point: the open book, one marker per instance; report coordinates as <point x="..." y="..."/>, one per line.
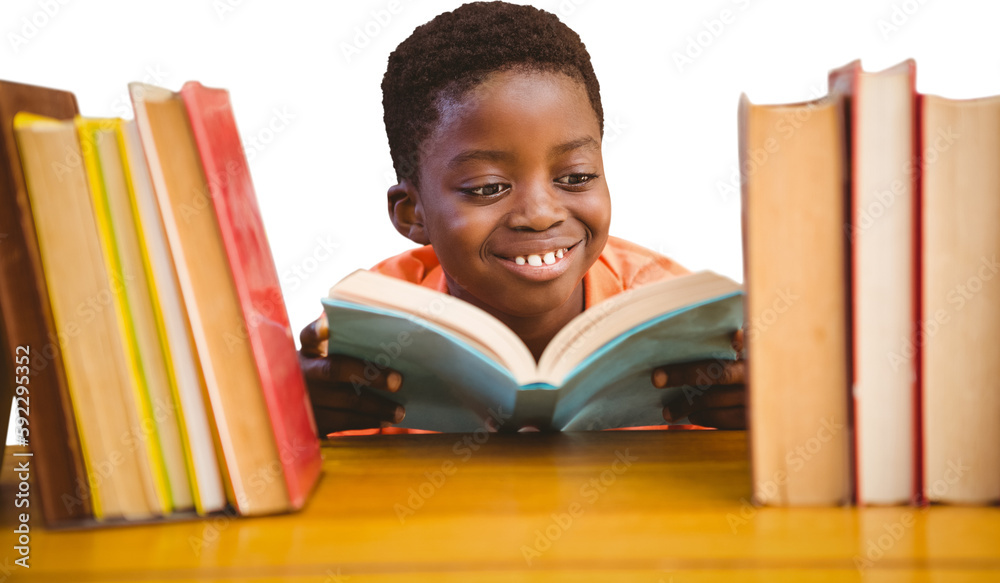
<point x="461" y="366"/>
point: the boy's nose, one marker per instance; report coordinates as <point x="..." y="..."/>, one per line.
<point x="537" y="207"/>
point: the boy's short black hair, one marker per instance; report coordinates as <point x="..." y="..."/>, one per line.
<point x="456" y="51"/>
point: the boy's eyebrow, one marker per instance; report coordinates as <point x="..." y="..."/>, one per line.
<point x="487" y="155"/>
<point x="584" y="142"/>
<point x="501" y="156"/>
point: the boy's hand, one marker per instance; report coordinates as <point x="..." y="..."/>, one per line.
<point x="714" y="390"/>
<point x="331" y="379"/>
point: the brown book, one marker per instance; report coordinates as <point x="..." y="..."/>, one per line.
<point x="242" y="421"/>
<point x="792" y="158"/>
<point x="27" y="321"/>
<point x="9" y="384"/>
<point x="959" y="327"/>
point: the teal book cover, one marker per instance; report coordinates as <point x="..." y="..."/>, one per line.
<point x="453" y="382"/>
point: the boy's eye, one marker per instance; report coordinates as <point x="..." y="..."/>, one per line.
<point x="575" y="179"/>
<point x="487" y="189"/>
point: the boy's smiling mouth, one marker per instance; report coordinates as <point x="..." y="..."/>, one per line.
<point x="542" y="263"/>
<point x="537" y="260"/>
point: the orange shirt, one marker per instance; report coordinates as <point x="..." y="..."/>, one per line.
<point x="621" y="266"/>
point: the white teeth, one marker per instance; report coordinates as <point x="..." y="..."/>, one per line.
<point x="538" y="259"/>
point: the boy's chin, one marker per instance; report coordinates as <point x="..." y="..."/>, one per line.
<point x="532" y="301"/>
<point x="505" y="293"/>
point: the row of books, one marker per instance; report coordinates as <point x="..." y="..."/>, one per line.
<point x="876" y="210"/>
<point x="145" y="337"/>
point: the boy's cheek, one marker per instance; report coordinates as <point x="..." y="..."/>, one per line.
<point x="598" y="222"/>
<point x="594" y="209"/>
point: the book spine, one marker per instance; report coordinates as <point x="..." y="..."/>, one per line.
<point x="851" y="255"/>
<point x="919" y="499"/>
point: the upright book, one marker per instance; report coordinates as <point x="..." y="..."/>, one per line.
<point x="27" y="320"/>
<point x="174" y="330"/>
<point x="882" y="236"/>
<point x="86" y="308"/>
<point x="123" y="250"/>
<point x="258" y="287"/>
<point x="187" y="185"/>
<point x="959" y="321"/>
<point x="462" y="366"/>
<point x="794" y="183"/>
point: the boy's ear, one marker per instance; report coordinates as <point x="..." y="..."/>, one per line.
<point x="405" y="211"/>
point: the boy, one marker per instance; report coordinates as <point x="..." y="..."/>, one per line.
<point x="494" y="119"/>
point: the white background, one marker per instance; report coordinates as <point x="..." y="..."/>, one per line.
<point x="670" y="145"/>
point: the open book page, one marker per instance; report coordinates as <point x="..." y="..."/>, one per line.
<point x="612" y="387"/>
<point x="448" y="385"/>
<point x="473" y="325"/>
<point x="619" y="314"/>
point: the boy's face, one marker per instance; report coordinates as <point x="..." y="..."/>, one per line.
<point x="512" y="192"/>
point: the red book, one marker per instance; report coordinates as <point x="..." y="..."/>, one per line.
<point x="257" y="285"/>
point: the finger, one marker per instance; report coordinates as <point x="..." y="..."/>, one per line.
<point x="337" y="368"/>
<point x="709" y="398"/>
<point x="727" y="418"/>
<point x="362" y="402"/>
<point x="720" y="396"/>
<point x="333" y="420"/>
<point x="738" y="342"/>
<point x="314" y="337"/>
<point x="704" y="373"/>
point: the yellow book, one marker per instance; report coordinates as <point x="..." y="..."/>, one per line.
<point x="99" y="148"/>
<point x="161" y="410"/>
<point x="81" y="293"/>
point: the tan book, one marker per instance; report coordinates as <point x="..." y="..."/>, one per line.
<point x="83" y="295"/>
<point x="959" y="328"/>
<point x="793" y="165"/>
<point x="243" y="426"/>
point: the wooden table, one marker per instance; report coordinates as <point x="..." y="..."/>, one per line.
<point x="611" y="506"/>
